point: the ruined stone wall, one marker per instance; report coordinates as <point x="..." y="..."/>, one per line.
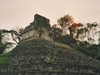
<point x="35" y="33"/>
<point x="33" y="30"/>
<point x="29" y="34"/>
<point x="45" y="34"/>
<point x="41" y="21"/>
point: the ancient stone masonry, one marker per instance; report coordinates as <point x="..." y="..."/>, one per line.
<point x="41" y="21"/>
<point x="38" y="28"/>
<point x="40" y="57"/>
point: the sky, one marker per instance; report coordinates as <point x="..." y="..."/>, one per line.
<point x="20" y="13"/>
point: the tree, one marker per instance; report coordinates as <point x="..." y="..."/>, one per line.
<point x="94" y="30"/>
<point x="68" y="25"/>
<point x="65" y="22"/>
<point x="80" y="33"/>
<point x="79" y="37"/>
<point x="15" y="35"/>
<point x="3" y="45"/>
<point x="4" y="40"/>
<point x="73" y="29"/>
<point x="55" y="32"/>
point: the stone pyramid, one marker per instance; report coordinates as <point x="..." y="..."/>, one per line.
<point x="42" y="57"/>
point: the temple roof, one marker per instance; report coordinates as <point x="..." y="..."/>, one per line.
<point x="39" y="21"/>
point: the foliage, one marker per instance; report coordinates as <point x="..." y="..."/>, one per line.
<point x="4" y="57"/>
<point x="66" y="40"/>
<point x="1" y="44"/>
<point x="78" y="36"/>
<point x="65" y="20"/>
<point x="1" y="47"/>
<point x="4" y="40"/>
<point x="90" y="50"/>
<point x="55" y="32"/>
<point x="15" y="35"/>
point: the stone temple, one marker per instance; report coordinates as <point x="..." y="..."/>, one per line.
<point x="38" y="28"/>
<point x="38" y="56"/>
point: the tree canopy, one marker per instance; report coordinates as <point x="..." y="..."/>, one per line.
<point x="79" y="36"/>
<point x="4" y="39"/>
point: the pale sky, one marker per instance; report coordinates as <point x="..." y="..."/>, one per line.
<point x="21" y="12"/>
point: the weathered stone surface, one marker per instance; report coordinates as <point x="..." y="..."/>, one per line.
<point x="38" y="28"/>
<point x="42" y="57"/>
<point x="41" y="21"/>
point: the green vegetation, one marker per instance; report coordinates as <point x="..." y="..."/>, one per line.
<point x="4" y="38"/>
<point x="78" y="36"/>
<point x="4" y="57"/>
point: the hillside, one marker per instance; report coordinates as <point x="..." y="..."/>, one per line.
<point x="42" y="57"/>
